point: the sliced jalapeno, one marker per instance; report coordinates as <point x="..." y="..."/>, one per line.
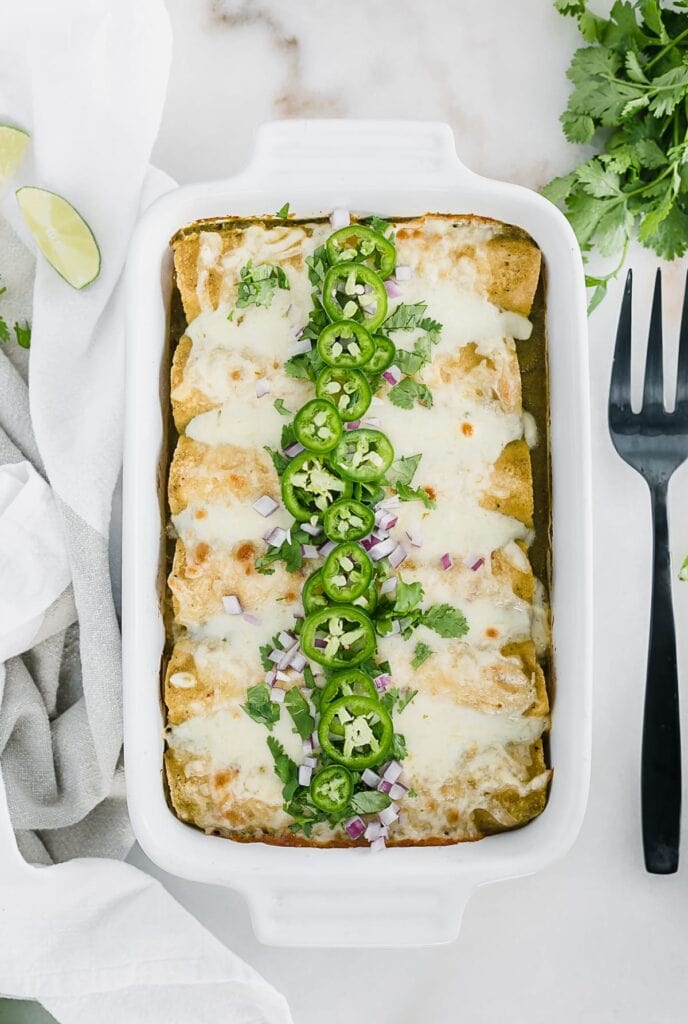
<point x="348" y="519"/>
<point x="347" y="573"/>
<point x="363" y="455"/>
<point x="338" y="637"/>
<point x="317" y="425"/>
<point x="383" y="356"/>
<point x="352" y="291"/>
<point x="309" y="486"/>
<point x="367" y="601"/>
<point x="347" y="389"/>
<point x="347" y="683"/>
<point x="345" y="343"/>
<point x="366" y="735"/>
<point x="313" y="596"/>
<point x="362" y="244"/>
<point x="331" y="789"/>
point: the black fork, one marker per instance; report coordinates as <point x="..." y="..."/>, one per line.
<point x="655" y="443"/>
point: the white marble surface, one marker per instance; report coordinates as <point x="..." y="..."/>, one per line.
<point x="593" y="939"/>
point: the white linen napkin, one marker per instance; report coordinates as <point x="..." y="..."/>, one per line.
<point x="92" y="939"/>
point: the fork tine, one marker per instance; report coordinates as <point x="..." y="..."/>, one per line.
<point x="682" y="376"/>
<point x="653" y="387"/>
<point x="620" y="388"/>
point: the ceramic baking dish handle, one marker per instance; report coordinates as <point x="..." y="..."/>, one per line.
<point x="344" y="154"/>
<point x="353" y="912"/>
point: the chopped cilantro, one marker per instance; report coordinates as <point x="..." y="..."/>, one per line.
<point x="408" y="696"/>
<point x="403" y="470"/>
<point x="4" y="331"/>
<point x="383" y="227"/>
<point x="408" y="391"/>
<point x="259" y="707"/>
<point x="407" y="493"/>
<point x="421" y="654"/>
<point x="283" y="212"/>
<point x="398" y="749"/>
<point x="683" y="571"/>
<point x="445" y="620"/>
<point x="258" y="284"/>
<point x="297" y="706"/>
<point x="279" y="461"/>
<point x="285" y="769"/>
<point x="369" y="801"/>
<point x="281" y="408"/>
<point x="407" y="596"/>
<point x="288" y="552"/>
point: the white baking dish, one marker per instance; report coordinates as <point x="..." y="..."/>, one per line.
<point x="349" y="897"/>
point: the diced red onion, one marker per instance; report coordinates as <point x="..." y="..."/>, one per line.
<point x="298" y="331"/>
<point x="287" y="638"/>
<point x="415" y="538"/>
<point x="388" y="815"/>
<point x="320" y="643"/>
<point x="389" y="585"/>
<point x="373" y="421"/>
<point x="375" y="830"/>
<point x="325" y="549"/>
<point x="231" y="604"/>
<point x="287" y="656"/>
<point x="398" y="791"/>
<point x="370" y="310"/>
<point x="309" y="551"/>
<point x="393" y="374"/>
<point x="355" y="827"/>
<point x="301" y="347"/>
<point x="307" y="746"/>
<point x="369" y="542"/>
<point x="275" y="655"/>
<point x="277" y="695"/>
<point x="282" y="676"/>
<point x="474" y="562"/>
<point x="252" y="619"/>
<point x="298" y="662"/>
<point x="383" y="681"/>
<point x="384" y="786"/>
<point x="393" y="289"/>
<point x="395" y="628"/>
<point x="294" y="449"/>
<point x="276" y="538"/>
<point x="402" y="273"/>
<point x="353" y="425"/>
<point x="378" y="845"/>
<point x="262" y="387"/>
<point x="398" y="556"/>
<point x="312" y="529"/>
<point x="315" y="742"/>
<point x="305" y="775"/>
<point x="384" y="548"/>
<point x="310" y="762"/>
<point x="446" y="561"/>
<point x="393" y="502"/>
<point x="392" y="771"/>
<point x="265" y="506"/>
<point x="340" y="218"/>
<point x="370" y="778"/>
<point x="270" y="678"/>
<point x="387" y="520"/>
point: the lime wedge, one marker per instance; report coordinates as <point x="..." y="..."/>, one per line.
<point x="13" y="142"/>
<point x="62" y="235"/>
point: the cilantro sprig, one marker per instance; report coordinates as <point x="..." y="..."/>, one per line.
<point x="631" y="79"/>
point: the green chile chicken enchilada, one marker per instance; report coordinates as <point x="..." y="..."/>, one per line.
<point x="356" y="634"/>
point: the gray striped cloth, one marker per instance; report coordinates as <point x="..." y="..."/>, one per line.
<point x="61" y="715"/>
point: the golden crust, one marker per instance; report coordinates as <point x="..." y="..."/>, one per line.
<point x="511" y="484"/>
<point x="202" y="473"/>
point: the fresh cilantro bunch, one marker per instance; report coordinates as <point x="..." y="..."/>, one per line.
<point x="22" y="332"/>
<point x="630" y="93"/>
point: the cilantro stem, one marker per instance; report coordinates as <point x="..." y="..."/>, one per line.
<point x="674" y="42"/>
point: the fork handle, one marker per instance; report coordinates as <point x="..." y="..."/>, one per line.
<point x="661" y="752"/>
